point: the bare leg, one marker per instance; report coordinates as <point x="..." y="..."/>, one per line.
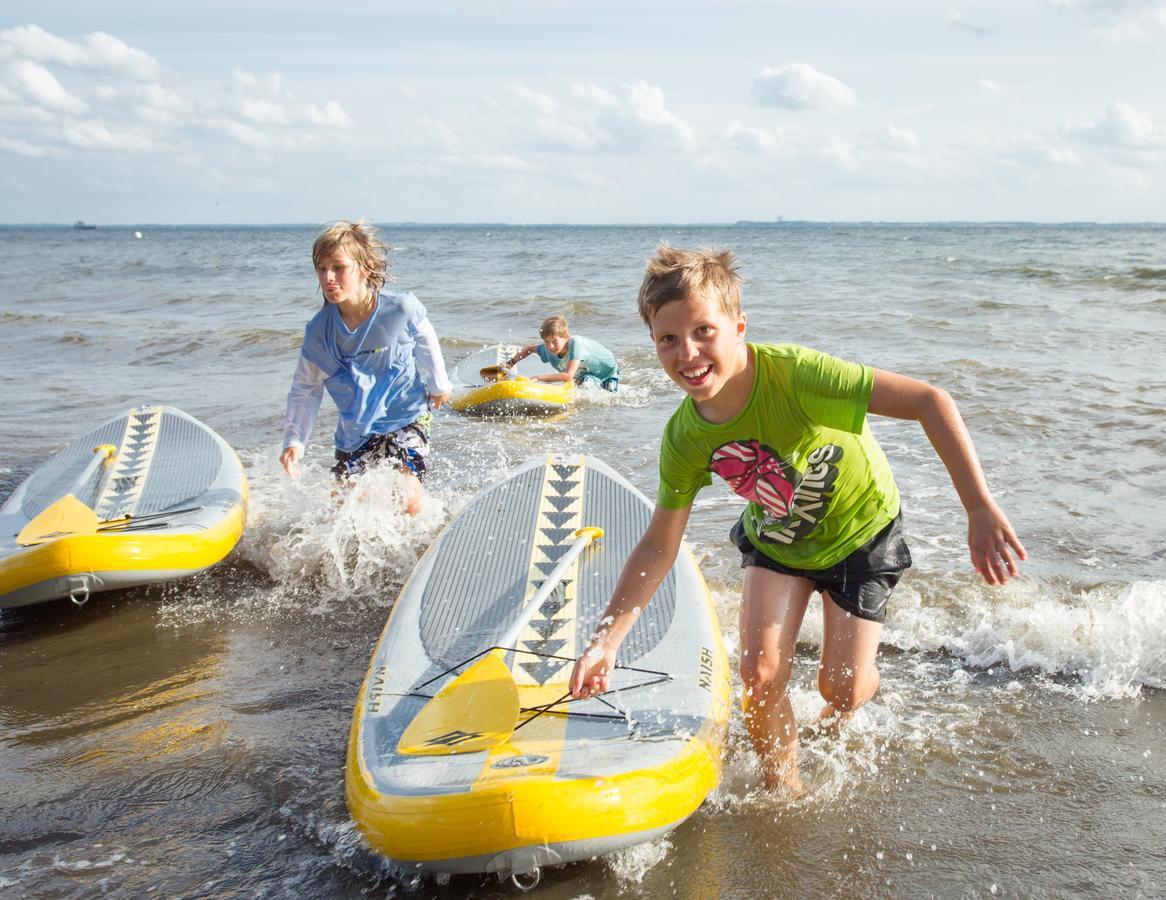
<point x="847" y="675"/>
<point x="772" y="609"/>
<point x="412" y="492"/>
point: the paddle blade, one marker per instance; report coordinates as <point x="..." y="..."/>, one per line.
<point x="476" y="711"/>
<point x="63" y="518"/>
<point x="493" y="373"/>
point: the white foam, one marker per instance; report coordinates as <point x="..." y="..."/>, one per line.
<point x="634" y="396"/>
<point x="633" y="863"/>
<point x="1109" y="637"/>
<point x="348" y="542"/>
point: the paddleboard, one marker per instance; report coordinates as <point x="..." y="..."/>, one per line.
<point x="151" y="495"/>
<point x="476" y="391"/>
<point x="572" y="779"/>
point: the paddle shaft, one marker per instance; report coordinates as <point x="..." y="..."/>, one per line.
<point x="585" y="537"/>
<point x="102" y="455"/>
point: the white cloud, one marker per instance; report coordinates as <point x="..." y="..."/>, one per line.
<point x="1037" y="151"/>
<point x="563" y="134"/>
<point x="103" y="51"/>
<point x="751" y="140"/>
<point x="523" y="99"/>
<point x="242" y="133"/>
<point x="898" y="139"/>
<point x="800" y="86"/>
<point x="265" y="102"/>
<point x="1120" y="20"/>
<point x="956" y="19"/>
<point x="330" y="115"/>
<point x="263" y="112"/>
<point x="157" y="104"/>
<point x="38" y="84"/>
<point x="637" y="117"/>
<point x="97" y="51"/>
<point x="885" y="153"/>
<point x="22" y="148"/>
<point x="269" y="85"/>
<point x="1122" y="127"/>
<point x="987" y="84"/>
<point x="593" y="95"/>
<point x="93" y="135"/>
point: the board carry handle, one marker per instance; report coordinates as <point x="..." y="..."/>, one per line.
<point x="479" y="709"/>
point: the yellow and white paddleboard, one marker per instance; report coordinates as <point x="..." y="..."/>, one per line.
<point x="479" y="391"/>
<point x="565" y="780"/>
<point x="149" y="496"/>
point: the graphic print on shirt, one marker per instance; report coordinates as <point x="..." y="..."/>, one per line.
<point x="757" y="473"/>
<point x="792" y="502"/>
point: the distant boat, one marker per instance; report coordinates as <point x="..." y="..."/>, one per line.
<point x="84" y="226"/>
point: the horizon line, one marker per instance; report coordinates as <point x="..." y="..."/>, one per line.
<point x="766" y="223"/>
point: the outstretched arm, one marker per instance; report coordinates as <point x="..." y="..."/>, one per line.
<point x="568" y="374"/>
<point x="991" y="540"/>
<point x="642" y="574"/>
<point x="520" y="355"/>
<point x="431" y="364"/>
<point x="303" y="403"/>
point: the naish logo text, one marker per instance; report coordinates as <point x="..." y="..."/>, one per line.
<point x="349" y="357"/>
<point x="810" y="501"/>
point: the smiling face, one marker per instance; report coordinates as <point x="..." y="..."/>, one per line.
<point x="702" y="348"/>
<point x="342" y="280"/>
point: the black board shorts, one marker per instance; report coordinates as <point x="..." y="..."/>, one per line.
<point x="860" y="583"/>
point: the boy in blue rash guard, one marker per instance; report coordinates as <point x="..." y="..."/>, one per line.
<point x="575" y="358"/>
<point x="378" y="356"/>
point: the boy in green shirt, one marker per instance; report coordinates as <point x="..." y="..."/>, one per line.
<point x="786" y="428"/>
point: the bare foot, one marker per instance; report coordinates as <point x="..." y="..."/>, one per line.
<point x="830" y="720"/>
<point x="780" y="772"/>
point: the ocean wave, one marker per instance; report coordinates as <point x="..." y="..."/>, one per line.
<point x="1036" y="273"/>
<point x="8" y="317"/>
<point x="1108" y="637"/>
<point x="281" y="341"/>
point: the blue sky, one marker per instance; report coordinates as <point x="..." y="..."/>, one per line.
<point x="583" y="111"/>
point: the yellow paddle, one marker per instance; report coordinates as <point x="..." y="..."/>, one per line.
<point x="499" y="373"/>
<point x="479" y="709"/>
<point x="67" y="516"/>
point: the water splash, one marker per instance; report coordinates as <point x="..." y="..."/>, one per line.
<point x="349" y="543"/>
<point x="631" y="864"/>
<point x="1108" y="636"/>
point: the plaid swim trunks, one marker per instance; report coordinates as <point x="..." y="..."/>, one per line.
<point x="406" y="448"/>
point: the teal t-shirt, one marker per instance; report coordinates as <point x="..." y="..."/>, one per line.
<point x="800" y="451"/>
<point x="595" y="360"/>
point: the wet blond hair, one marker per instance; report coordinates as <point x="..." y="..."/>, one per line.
<point x="674" y="274"/>
<point x="362" y="242"/>
<point x="556" y="326"/>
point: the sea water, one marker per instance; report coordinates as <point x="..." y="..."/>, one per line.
<point x="188" y="739"/>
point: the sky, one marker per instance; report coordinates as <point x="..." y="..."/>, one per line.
<point x="582" y="111"/>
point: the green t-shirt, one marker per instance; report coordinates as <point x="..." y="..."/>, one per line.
<point x="800" y="451"/>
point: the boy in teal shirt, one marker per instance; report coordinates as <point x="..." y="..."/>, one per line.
<point x="786" y="428"/>
<point x="575" y="358"/>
